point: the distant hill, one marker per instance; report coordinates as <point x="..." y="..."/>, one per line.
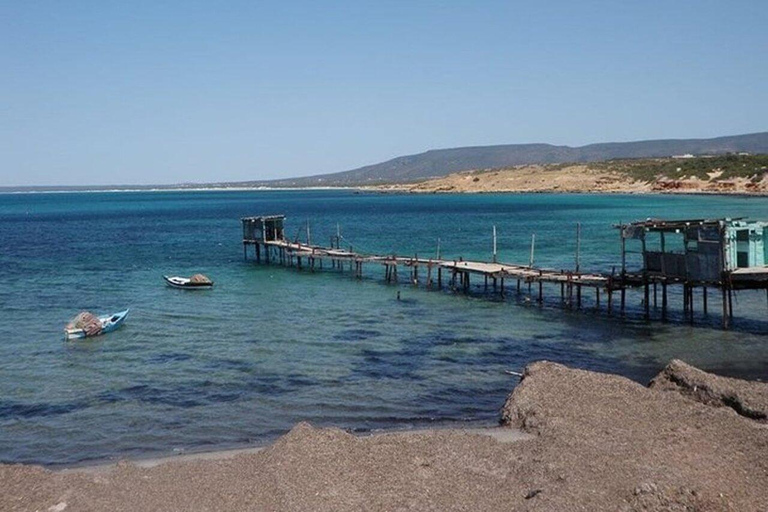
<point x="441" y="162"/>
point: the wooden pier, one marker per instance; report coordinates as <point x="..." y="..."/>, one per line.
<point x="267" y="238"/>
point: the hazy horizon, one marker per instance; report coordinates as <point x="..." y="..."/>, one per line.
<point x="147" y="94"/>
<point x="207" y="184"/>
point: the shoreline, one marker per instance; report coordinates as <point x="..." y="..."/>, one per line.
<point x="405" y="190"/>
<point x="572" y="192"/>
<point x="501" y="434"/>
<point x="690" y="440"/>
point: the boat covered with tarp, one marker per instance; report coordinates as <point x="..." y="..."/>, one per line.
<point x="196" y="282"/>
<point x="87" y="325"/>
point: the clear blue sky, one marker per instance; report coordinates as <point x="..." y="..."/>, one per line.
<point x="169" y="91"/>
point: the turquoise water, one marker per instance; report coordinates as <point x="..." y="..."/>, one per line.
<point x="271" y="346"/>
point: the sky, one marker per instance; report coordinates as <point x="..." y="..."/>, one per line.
<point x="157" y="92"/>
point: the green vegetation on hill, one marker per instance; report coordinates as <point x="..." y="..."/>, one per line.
<point x="650" y="169"/>
<point x="442" y="162"/>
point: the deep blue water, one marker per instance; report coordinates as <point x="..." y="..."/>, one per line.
<point x="270" y="346"/>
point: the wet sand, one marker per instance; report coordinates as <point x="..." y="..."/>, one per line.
<point x="501" y="434"/>
<point x="594" y="442"/>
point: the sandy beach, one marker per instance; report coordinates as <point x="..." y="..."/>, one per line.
<point x="586" y="441"/>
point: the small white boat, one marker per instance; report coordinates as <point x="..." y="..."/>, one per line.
<point x="86" y="325"/>
<point x="196" y="282"/>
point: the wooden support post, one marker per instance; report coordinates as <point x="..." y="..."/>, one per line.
<point x="623" y="296"/>
<point x="495" y="283"/>
<point x="646" y="299"/>
<point x="578" y="296"/>
<point x="439" y="278"/>
<point x="597" y="297"/>
<point x="533" y="246"/>
<point x="664" y="300"/>
<point x="610" y="300"/>
<point x="730" y="303"/>
<point x="541" y="293"/>
<point x="685" y="300"/>
<point x="518" y="286"/>
<point x="486" y="283"/>
<point x="258" y="253"/>
<point x="654" y="295"/>
<point x="704" y="299"/>
<point x="502" y="287"/>
<point x="725" y="305"/>
<point x="690" y="302"/>
<point x="494" y="244"/>
<point x="429" y="275"/>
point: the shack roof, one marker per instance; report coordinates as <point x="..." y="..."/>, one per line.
<point x="262" y="218"/>
<point x="672" y="225"/>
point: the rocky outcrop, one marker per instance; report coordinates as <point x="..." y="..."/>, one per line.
<point x="749" y="399"/>
<point x="657" y="449"/>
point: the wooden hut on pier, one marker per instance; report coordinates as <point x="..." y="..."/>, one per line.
<point x="258" y="231"/>
<point x="725" y="253"/>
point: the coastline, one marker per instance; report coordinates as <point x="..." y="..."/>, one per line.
<point x="161" y="189"/>
<point x="386" y="190"/>
<point x="409" y="189"/>
<point x="415" y="188"/>
<point x="501" y="434"/>
<point x="592" y="441"/>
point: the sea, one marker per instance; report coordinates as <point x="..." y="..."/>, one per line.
<point x="270" y="346"/>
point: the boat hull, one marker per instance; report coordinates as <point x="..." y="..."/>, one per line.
<point x="108" y="324"/>
<point x="183" y="283"/>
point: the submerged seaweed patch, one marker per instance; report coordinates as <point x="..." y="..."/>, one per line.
<point x="169" y="358"/>
<point x="10" y="409"/>
<point x="356" y="334"/>
<point x="389" y="364"/>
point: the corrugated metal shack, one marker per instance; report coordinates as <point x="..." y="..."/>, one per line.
<point x="725" y="253"/>
<point x="264" y="228"/>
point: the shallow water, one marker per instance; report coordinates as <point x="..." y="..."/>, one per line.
<point x="270" y="346"/>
